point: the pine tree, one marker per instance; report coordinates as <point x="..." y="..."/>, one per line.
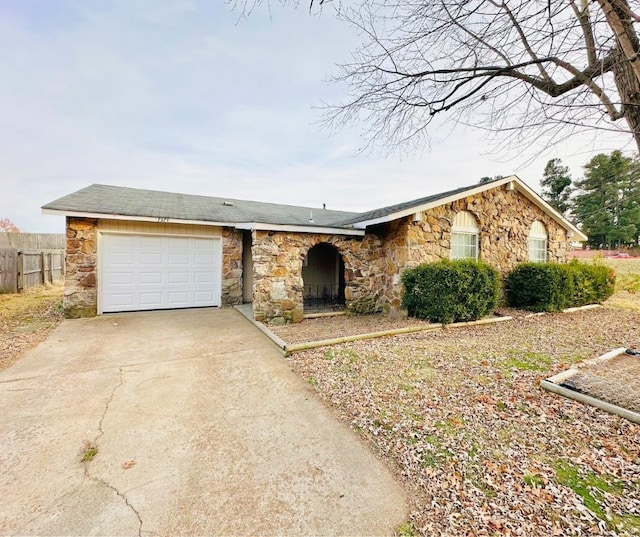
<point x="556" y="185"/>
<point x="608" y="203"/>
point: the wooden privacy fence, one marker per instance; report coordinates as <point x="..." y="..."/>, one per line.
<point x="30" y="259"/>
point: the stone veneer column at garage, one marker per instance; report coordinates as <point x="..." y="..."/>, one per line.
<point x="231" y="267"/>
<point x="80" y="288"/>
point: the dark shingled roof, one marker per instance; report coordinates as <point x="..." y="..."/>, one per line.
<point x="123" y="201"/>
<point x="391" y="209"/>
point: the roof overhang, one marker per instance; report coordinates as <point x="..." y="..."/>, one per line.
<point x="163" y="220"/>
<point x="513" y="181"/>
<point x="300" y="229"/>
<point x="242" y="225"/>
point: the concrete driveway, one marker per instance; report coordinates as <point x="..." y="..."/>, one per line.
<point x="201" y="428"/>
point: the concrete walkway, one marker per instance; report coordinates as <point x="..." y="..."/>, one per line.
<point x="201" y="429"/>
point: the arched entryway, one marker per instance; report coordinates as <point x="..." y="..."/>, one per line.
<point x="323" y="279"/>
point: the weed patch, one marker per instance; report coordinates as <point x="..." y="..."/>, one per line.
<point x="89" y="451"/>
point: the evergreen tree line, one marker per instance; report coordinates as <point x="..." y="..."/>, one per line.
<point x="605" y="203"/>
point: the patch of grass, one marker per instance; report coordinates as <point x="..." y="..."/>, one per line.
<point x="628" y="282"/>
<point x="437" y="455"/>
<point x="526" y="361"/>
<point x="406" y="530"/>
<point x="591" y="487"/>
<point x="533" y="480"/>
<point x="312" y="381"/>
<point x="30" y="302"/>
<point x="627" y="295"/>
<point x="341" y="354"/>
<point x="89" y="451"/>
<point x="451" y="425"/>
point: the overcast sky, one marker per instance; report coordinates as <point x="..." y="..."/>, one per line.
<point x="189" y="96"/>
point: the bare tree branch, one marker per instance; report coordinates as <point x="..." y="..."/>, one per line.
<point x="503" y="65"/>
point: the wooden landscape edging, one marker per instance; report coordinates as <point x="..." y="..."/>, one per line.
<point x="299" y="347"/>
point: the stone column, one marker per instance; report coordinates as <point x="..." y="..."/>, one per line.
<point x="80" y="287"/>
<point x="231" y="267"/>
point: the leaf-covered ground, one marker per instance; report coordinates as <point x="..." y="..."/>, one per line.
<point x="481" y="449"/>
<point x="26" y="319"/>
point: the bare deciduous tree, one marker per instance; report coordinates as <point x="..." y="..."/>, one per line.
<point x="527" y="68"/>
<point x="7" y="225"/>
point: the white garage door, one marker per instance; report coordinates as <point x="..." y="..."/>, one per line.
<point x="146" y="272"/>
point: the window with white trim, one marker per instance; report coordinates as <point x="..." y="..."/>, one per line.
<point x="538" y="242"/>
<point x="464" y="236"/>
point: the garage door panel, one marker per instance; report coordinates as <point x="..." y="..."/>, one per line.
<point x="179" y="259"/>
<point x="204" y="259"/>
<point x="151" y="258"/>
<point x="123" y="300"/>
<point x="151" y="299"/>
<point x="178" y="277"/>
<point x="203" y="296"/>
<point x="119" y="278"/>
<point x="121" y="258"/>
<point x="178" y="297"/>
<point x="157" y="272"/>
<point x="151" y="277"/>
<point x="203" y="277"/>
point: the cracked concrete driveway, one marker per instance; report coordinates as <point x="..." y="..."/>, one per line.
<point x="201" y="428"/>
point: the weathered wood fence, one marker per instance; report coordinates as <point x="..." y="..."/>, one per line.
<point x="30" y="259"/>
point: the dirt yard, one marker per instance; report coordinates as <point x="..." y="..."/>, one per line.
<point x="26" y="319"/>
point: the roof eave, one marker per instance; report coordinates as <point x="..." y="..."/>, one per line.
<point x="430" y="205"/>
<point x="534" y="197"/>
<point x="109" y="216"/>
<point x="242" y="225"/>
<point x="261" y="226"/>
<point x="519" y="184"/>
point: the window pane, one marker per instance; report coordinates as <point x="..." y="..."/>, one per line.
<point x="537" y="250"/>
<point x="464" y="246"/>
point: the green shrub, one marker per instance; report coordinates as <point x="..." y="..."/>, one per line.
<point x="539" y="287"/>
<point x="450" y="291"/>
<point x="555" y="286"/>
<point x="593" y="283"/>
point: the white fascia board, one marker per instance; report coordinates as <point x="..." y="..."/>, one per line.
<point x="520" y="186"/>
<point x="135" y="218"/>
<point x="299" y="229"/>
<point x="533" y="196"/>
<point x="431" y="204"/>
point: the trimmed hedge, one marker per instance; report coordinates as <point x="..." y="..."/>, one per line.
<point x="450" y="291"/>
<point x="555" y="286"/>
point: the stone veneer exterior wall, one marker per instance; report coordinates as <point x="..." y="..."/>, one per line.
<point x="504" y="218"/>
<point x="80" y="285"/>
<point x="277" y="272"/>
<point x="231" y="267"/>
<point x="374" y="263"/>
